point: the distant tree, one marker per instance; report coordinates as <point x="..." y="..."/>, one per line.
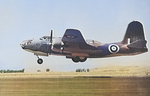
<point x="12" y="71"/>
<point x="87" y="70"/>
<point x="7" y="71"/>
<point x="1" y="71"/>
<point x="47" y="70"/>
<point x="38" y="70"/>
<point x="4" y="71"/>
<point x="78" y="70"/>
<point x="83" y="70"/>
<point x="23" y="69"/>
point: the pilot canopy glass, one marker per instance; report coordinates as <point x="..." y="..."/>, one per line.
<point x="93" y="43"/>
<point x="45" y="38"/>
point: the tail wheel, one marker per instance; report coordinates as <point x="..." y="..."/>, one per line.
<point x="40" y="61"/>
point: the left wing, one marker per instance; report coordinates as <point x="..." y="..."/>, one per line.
<point x="75" y="44"/>
<point x="73" y="36"/>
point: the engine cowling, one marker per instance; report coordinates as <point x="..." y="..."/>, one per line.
<point x="57" y="45"/>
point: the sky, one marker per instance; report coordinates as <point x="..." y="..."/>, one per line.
<point x="102" y="20"/>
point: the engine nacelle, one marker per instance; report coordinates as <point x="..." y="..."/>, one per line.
<point x="57" y="45"/>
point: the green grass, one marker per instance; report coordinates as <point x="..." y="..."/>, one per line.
<point x="74" y="86"/>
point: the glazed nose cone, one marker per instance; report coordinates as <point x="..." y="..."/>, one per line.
<point x="23" y="44"/>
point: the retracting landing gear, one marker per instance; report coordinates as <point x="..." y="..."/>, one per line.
<point x="79" y="59"/>
<point x="39" y="61"/>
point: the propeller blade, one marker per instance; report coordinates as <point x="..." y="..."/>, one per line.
<point x="51" y="36"/>
<point x="51" y="40"/>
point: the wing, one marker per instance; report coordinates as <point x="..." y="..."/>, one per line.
<point x="73" y="41"/>
<point x="73" y="36"/>
<point x="75" y="44"/>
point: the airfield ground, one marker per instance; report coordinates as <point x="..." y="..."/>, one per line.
<point x="106" y="81"/>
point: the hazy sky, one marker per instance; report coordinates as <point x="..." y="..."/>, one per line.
<point x="102" y="20"/>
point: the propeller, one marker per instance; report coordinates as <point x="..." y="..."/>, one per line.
<point x="51" y="37"/>
<point x="52" y="45"/>
<point x="51" y="40"/>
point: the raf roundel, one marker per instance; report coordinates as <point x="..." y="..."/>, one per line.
<point x="113" y="48"/>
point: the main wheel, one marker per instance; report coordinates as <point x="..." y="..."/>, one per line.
<point x="75" y="59"/>
<point x="83" y="59"/>
<point x="40" y="61"/>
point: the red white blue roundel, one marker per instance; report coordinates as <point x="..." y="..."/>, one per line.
<point x="113" y="48"/>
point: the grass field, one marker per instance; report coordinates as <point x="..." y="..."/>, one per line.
<point x="75" y="86"/>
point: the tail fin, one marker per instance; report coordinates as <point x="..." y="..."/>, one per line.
<point x="134" y="32"/>
<point x="134" y="36"/>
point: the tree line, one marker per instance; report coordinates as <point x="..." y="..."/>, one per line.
<point x="82" y="70"/>
<point x="12" y="71"/>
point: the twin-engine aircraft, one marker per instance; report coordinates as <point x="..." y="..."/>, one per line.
<point x="74" y="46"/>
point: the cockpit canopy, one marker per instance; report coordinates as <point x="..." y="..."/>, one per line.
<point x="45" y="38"/>
<point x="94" y="43"/>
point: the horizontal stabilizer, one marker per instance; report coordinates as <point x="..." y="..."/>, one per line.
<point x="138" y="44"/>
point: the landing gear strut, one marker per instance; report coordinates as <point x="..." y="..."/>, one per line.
<point x="39" y="61"/>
